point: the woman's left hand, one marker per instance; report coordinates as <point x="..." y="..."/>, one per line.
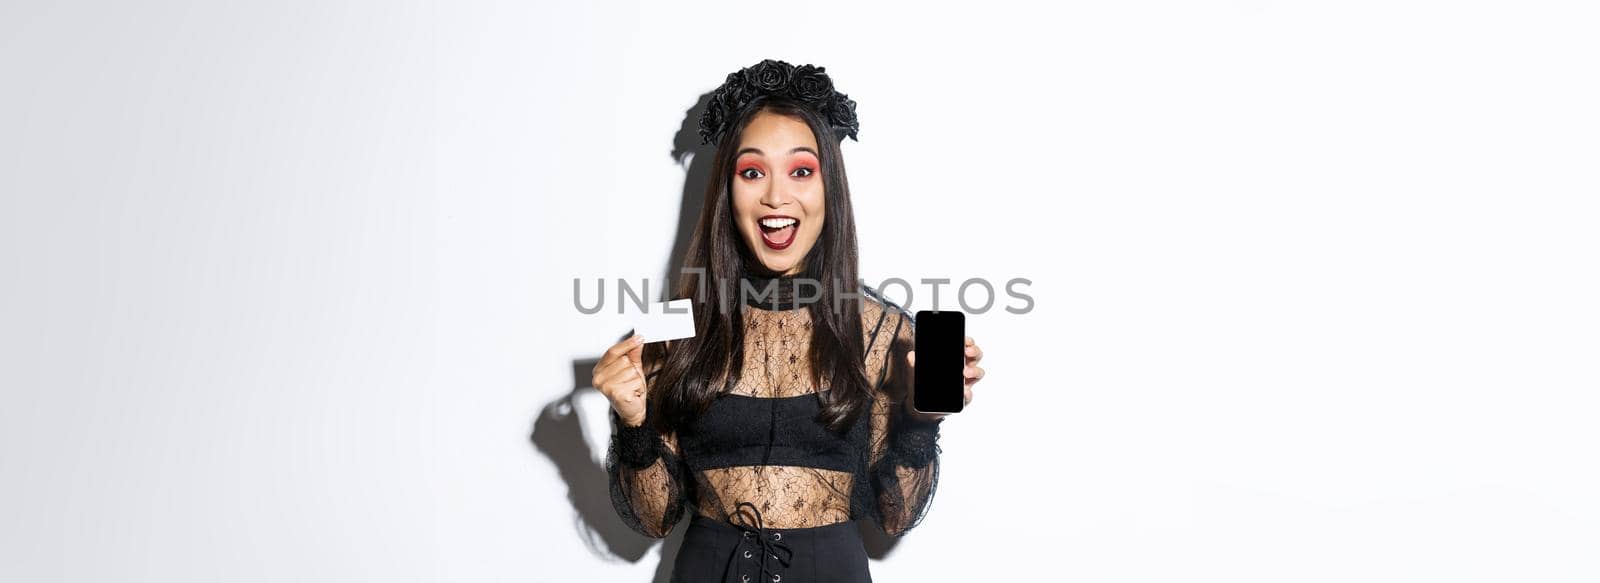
<point x="973" y="374"/>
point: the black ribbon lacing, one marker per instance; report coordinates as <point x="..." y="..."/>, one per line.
<point x="768" y="544"/>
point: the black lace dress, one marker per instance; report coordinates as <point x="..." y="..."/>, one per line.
<point x="773" y="492"/>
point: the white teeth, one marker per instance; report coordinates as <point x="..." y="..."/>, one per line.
<point x="777" y="223"/>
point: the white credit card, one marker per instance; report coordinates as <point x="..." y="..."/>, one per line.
<point x="662" y="320"/>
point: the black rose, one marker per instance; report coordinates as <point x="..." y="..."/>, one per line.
<point x="735" y="91"/>
<point x="712" y="119"/>
<point x="844" y="115"/>
<point x="769" y="76"/>
<point x="811" y="84"/>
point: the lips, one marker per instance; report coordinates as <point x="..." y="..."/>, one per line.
<point x="778" y="231"/>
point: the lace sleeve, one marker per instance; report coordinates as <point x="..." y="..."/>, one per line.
<point x="904" y="462"/>
<point x="647" y="476"/>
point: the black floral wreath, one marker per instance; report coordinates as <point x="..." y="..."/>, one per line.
<point x="808" y="85"/>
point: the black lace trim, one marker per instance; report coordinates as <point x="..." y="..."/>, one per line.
<point x="637" y="447"/>
<point x="915" y="442"/>
<point x="783" y="294"/>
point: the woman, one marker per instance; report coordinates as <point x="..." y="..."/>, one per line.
<point x="782" y="420"/>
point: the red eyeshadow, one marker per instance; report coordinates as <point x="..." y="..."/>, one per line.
<point x="805" y="162"/>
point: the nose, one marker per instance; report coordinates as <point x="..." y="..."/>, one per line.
<point x="777" y="193"/>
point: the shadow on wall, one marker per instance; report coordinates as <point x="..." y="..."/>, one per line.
<point x="558" y="433"/>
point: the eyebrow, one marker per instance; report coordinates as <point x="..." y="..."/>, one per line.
<point x="747" y="150"/>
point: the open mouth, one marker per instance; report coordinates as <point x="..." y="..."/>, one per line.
<point x="777" y="231"/>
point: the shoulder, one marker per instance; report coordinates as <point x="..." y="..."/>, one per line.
<point x="882" y="317"/>
<point x="884" y="306"/>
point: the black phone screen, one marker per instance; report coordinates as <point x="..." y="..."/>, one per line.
<point x="941" y="342"/>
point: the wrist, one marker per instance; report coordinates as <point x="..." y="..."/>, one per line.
<point x="629" y="422"/>
<point x="916" y="440"/>
<point x="638" y="446"/>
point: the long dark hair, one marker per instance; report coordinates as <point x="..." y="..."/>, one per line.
<point x="700" y="368"/>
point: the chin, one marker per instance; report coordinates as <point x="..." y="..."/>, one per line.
<point x="777" y="266"/>
<point x="775" y="261"/>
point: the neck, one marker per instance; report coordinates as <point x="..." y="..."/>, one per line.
<point x="773" y="291"/>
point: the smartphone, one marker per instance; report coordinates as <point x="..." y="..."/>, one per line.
<point x="941" y="345"/>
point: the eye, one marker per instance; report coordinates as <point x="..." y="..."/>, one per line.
<point x="808" y="171"/>
<point x="746" y="173"/>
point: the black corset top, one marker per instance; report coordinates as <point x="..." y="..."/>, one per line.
<point x="741" y="430"/>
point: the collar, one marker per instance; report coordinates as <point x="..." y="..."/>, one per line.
<point x="776" y="292"/>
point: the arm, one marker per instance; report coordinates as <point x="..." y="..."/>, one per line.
<point x="904" y="452"/>
<point x="644" y="467"/>
<point x="647" y="478"/>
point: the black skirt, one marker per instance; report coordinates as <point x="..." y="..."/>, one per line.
<point x="728" y="552"/>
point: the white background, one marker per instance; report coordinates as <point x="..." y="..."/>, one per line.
<point x="287" y="287"/>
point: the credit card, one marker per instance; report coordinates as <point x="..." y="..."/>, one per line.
<point x="662" y="321"/>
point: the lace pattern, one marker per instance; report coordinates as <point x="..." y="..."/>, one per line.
<point x="895" y="459"/>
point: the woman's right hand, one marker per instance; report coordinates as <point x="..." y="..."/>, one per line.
<point x="620" y="377"/>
